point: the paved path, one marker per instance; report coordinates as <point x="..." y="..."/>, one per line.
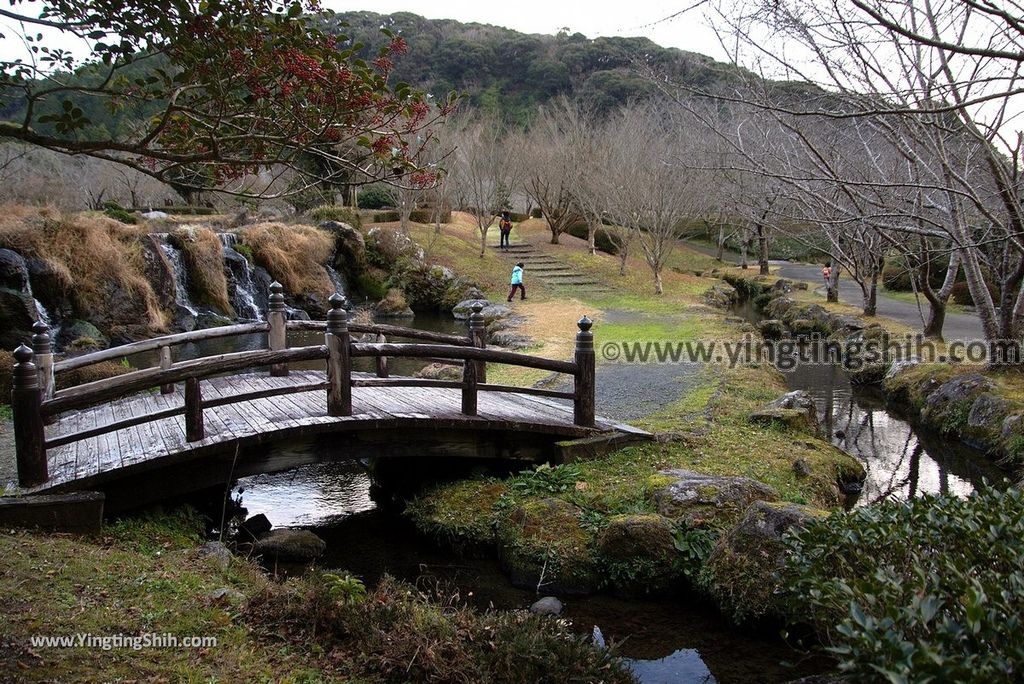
<point x="958" y="326"/>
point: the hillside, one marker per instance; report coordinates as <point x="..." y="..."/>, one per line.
<point x="499" y="69"/>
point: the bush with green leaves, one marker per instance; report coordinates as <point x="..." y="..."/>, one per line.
<point x="119" y="213"/>
<point x="335" y="212"/>
<point x="376" y="197"/>
<point x="924" y="591"/>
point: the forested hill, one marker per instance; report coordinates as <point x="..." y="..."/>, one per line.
<point x="499" y="69"/>
<point x="503" y="69"/>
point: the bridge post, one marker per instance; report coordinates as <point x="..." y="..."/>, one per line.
<point x="165" y="364"/>
<point x="382" y="361"/>
<point x="583" y="404"/>
<point x="339" y="359"/>
<point x="194" y="429"/>
<point x="29" y="438"/>
<point x="478" y="336"/>
<point x="469" y="391"/>
<point x="42" y="350"/>
<point x="278" y="335"/>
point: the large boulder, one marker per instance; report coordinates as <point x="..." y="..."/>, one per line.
<point x="771" y="329"/>
<point x="464" y="309"/>
<point x="985" y="420"/>
<point x="51" y="286"/>
<point x="13" y="271"/>
<point x="78" y="336"/>
<point x="349" y="248"/>
<point x="947" y="408"/>
<point x="740" y="572"/>
<point x="543" y="540"/>
<point x="638" y="551"/>
<point x="699" y="500"/>
<point x="290" y="545"/>
<point x="495" y="312"/>
<point x="793" y="409"/>
<point x="159" y="272"/>
<point x="393" y="306"/>
<point x="439" y="371"/>
<point x="18" y="313"/>
<point x="720" y="295"/>
<point x="509" y="339"/>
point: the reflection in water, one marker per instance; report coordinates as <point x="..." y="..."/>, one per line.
<point x="311" y="495"/>
<point x="901" y="462"/>
<point x="679" y="640"/>
<point x="684" y="665"/>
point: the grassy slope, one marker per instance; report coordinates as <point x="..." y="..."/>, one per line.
<point x="144" y="576"/>
<point x="708" y="426"/>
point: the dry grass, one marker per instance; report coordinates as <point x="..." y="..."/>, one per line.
<point x="292" y="254"/>
<point x="204" y="257"/>
<point x="93" y="255"/>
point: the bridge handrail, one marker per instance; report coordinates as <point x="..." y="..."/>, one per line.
<point x="419" y="351"/>
<point x="388" y="330"/>
<point x="99" y="391"/>
<point x="34" y="402"/>
<point x="158" y="342"/>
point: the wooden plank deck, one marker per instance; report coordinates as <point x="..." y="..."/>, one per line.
<point x="95" y="460"/>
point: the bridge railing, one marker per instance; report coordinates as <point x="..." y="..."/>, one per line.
<point x="35" y="403"/>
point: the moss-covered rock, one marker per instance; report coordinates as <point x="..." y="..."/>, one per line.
<point x="947" y="408"/>
<point x="795" y="410"/>
<point x="771" y="329"/>
<point x="700" y="500"/>
<point x="638" y="553"/>
<point x="542" y="544"/>
<point x="802" y="327"/>
<point x="393" y="305"/>
<point x="740" y="572"/>
<point x="460" y="515"/>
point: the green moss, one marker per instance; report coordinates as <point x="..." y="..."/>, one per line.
<point x="460" y="515"/>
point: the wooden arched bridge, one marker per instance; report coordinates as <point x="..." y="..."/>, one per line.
<point x="139" y="431"/>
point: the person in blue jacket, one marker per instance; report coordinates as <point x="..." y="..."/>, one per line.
<point x="517" y="282"/>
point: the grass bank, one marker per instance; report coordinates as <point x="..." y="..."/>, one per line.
<point x="145" y="576"/>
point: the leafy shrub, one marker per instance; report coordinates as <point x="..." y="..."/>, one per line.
<point x="119" y="213"/>
<point x="536" y="213"/>
<point x="370" y="285"/>
<point x="545" y="479"/>
<point x="602" y="240"/>
<point x="927" y="590"/>
<point x="427" y="216"/>
<point x="516" y="217"/>
<point x="376" y="197"/>
<point x="386" y="217"/>
<point x="344" y="588"/>
<point x="334" y="212"/>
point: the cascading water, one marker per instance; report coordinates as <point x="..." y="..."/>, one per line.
<point x="177" y="263"/>
<point x="240" y="275"/>
<point x="338" y="280"/>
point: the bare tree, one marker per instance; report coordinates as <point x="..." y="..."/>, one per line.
<point x="656" y="187"/>
<point x="485" y="168"/>
<point x="554" y="151"/>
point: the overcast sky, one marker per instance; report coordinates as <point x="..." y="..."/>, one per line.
<point x="650" y="18"/>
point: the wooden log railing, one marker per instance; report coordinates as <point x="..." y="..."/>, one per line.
<point x="35" y="403"/>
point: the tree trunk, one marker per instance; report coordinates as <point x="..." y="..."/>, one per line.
<point x="483" y="242"/>
<point x="743" y="254"/>
<point x="555" y="232"/>
<point x="623" y="255"/>
<point x="832" y="286"/>
<point x="870" y="290"/>
<point x="720" y="249"/>
<point x="936" y="319"/>
<point x="762" y="250"/>
<point x="658" y="287"/>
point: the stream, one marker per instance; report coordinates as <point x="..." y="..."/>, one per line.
<point x="901" y="460"/>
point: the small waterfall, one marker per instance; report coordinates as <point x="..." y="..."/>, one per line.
<point x="240" y="275"/>
<point x="338" y="280"/>
<point x="181" y="297"/>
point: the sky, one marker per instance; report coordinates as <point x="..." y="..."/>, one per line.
<point x="651" y="18"/>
